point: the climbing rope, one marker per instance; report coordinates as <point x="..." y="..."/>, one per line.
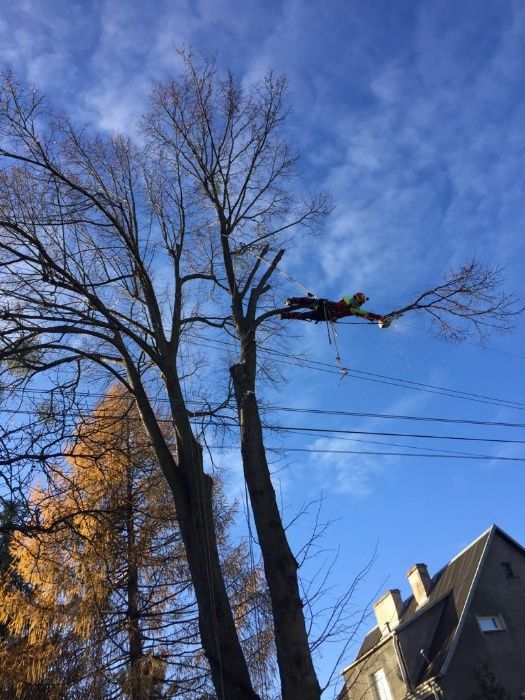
<point x="332" y="333"/>
<point x="283" y="273"/>
<point x="292" y="280"/>
<point x="332" y="340"/>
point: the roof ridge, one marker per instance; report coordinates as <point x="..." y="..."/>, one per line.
<point x="443" y="582"/>
<point x="465" y="549"/>
<point x="490" y="532"/>
<point x="468" y="546"/>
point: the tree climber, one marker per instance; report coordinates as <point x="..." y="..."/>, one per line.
<point x="326" y="310"/>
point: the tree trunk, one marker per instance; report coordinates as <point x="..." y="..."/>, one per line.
<point x="192" y="494"/>
<point x="298" y="678"/>
<point x="135" y="652"/>
<point x="229" y="670"/>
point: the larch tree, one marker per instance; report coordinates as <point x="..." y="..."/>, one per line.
<point x="105" y="579"/>
<point x="115" y="257"/>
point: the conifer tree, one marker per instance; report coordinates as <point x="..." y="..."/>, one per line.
<point x="110" y="590"/>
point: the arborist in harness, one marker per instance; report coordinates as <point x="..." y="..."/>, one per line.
<point x="326" y="310"/>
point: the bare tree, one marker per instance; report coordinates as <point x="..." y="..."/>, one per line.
<point x="80" y="251"/>
<point x="470" y="300"/>
<point x="111" y="257"/>
<point x="229" y="141"/>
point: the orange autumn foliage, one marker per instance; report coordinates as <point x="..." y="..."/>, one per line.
<point x="106" y="587"/>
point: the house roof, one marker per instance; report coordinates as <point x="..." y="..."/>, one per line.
<point x="450" y="588"/>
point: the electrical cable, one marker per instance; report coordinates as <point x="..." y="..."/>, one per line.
<point x="389" y="434"/>
<point x="393" y="416"/>
<point x="467" y="455"/>
<point x="384" y="379"/>
<point x="366" y="376"/>
<point x="315" y="411"/>
<point x="222" y="422"/>
<point x="386" y="444"/>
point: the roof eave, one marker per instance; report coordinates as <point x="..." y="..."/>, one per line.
<point x="369" y="652"/>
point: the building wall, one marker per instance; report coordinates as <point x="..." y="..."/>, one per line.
<point x="358" y="679"/>
<point x="503" y="651"/>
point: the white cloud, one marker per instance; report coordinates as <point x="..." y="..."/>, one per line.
<point x="427" y="172"/>
<point x="346" y="474"/>
<point x="357" y="474"/>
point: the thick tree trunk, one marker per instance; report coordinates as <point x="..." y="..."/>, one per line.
<point x="219" y="637"/>
<point x="298" y="678"/>
<point x="192" y="494"/>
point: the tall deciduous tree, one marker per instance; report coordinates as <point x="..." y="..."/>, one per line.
<point x="83" y="258"/>
<point x="112" y="256"/>
<point x="206" y="128"/>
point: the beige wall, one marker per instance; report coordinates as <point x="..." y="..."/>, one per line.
<point x="358" y="679"/>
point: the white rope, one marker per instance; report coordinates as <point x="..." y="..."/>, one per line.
<point x="291" y="279"/>
<point x="332" y="337"/>
<point x="281" y="272"/>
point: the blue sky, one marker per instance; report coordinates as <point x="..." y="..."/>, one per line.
<point x="411" y="114"/>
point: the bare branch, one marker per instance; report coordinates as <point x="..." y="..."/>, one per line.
<point x="470" y="299"/>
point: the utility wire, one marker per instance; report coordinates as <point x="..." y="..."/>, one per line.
<point x="392" y="416"/>
<point x="457" y="453"/>
<point x="467" y="455"/>
<point x="366" y="376"/>
<point x="387" y="434"/>
<point x="307" y="411"/>
<point x="228" y="422"/>
<point x="310" y="364"/>
<point x="295" y="360"/>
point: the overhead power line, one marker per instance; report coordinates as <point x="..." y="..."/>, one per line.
<point x="363" y="375"/>
<point x="375" y="377"/>
<point x="287" y="429"/>
<point x="393" y="416"/>
<point x="307" y="411"/>
<point x="229" y="422"/>
<point x="310" y="364"/>
<point x="382" y="454"/>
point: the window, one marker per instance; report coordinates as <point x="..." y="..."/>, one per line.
<point x="491" y="623"/>
<point x="380" y="686"/>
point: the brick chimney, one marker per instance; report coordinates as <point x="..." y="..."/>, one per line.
<point x="420" y="583"/>
<point x="388" y="609"/>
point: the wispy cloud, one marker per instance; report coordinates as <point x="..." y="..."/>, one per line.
<point x="342" y="473"/>
<point x="423" y="167"/>
<point x="357" y="474"/>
